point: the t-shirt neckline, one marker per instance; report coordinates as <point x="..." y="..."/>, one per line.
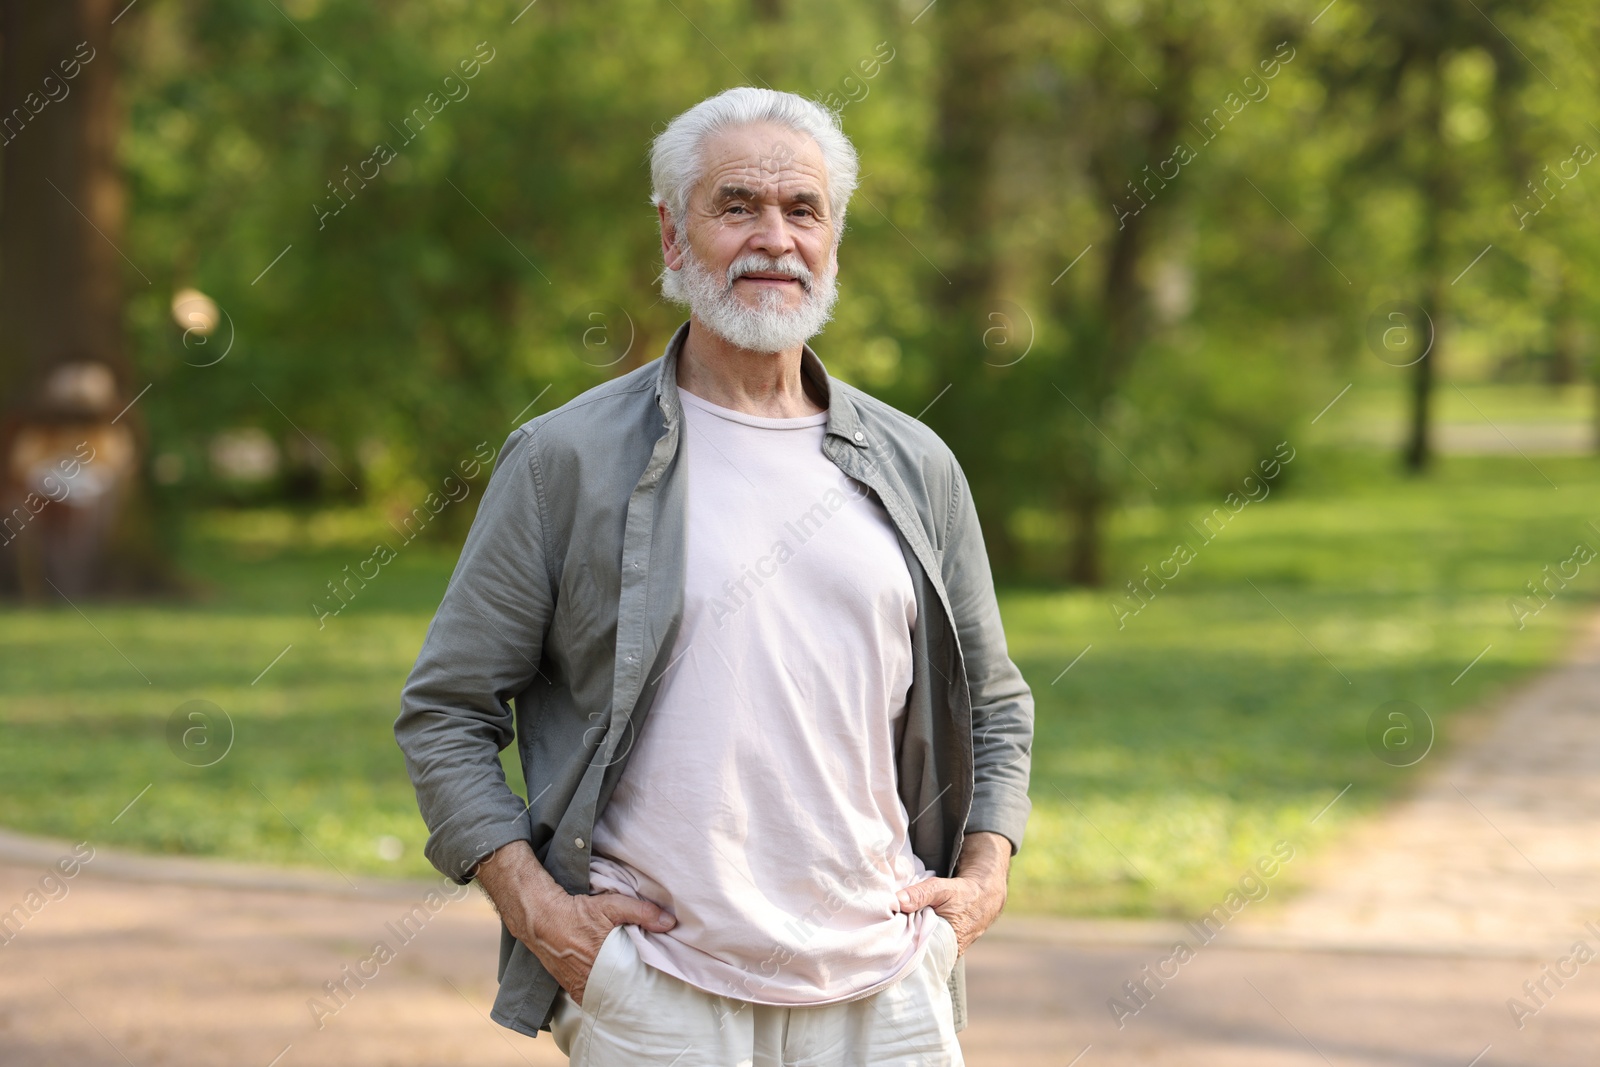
<point x="762" y="421"/>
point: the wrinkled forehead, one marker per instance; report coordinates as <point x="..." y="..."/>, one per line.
<point x="770" y="161"/>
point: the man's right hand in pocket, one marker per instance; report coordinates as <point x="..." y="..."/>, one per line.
<point x="564" y="931"/>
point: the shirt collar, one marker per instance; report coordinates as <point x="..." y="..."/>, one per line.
<point x="843" y="420"/>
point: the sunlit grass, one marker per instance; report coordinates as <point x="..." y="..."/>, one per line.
<point x="1474" y="415"/>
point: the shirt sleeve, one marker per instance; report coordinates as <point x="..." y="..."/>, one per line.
<point x="1002" y="703"/>
<point x="482" y="648"/>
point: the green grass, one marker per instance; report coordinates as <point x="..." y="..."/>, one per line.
<point x="1384" y="396"/>
<point x="1376" y="412"/>
<point x="1172" y="754"/>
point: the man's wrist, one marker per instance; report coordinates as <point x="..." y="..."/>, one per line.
<point x="985" y="856"/>
<point x="518" y="886"/>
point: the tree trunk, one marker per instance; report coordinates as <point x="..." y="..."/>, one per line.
<point x="1105" y="351"/>
<point x="1437" y="188"/>
<point x="1566" y="325"/>
<point x="1418" y="456"/>
<point x="1085" y="561"/>
<point x="972" y="115"/>
<point x="73" y="516"/>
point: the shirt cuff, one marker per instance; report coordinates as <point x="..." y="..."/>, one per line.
<point x="468" y="838"/>
<point x="999" y="809"/>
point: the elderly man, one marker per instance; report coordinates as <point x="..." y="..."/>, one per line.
<point x="776" y="751"/>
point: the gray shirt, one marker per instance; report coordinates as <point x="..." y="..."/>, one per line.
<point x="567" y="599"/>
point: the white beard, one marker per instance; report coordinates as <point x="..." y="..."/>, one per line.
<point x="767" y="327"/>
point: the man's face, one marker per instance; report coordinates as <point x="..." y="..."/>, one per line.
<point x="756" y="255"/>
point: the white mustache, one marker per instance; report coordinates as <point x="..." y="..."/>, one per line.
<point x="788" y="265"/>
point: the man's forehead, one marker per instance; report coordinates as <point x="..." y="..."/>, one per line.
<point x="760" y="158"/>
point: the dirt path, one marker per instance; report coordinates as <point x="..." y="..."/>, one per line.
<point x="150" y="974"/>
<point x="122" y="972"/>
<point x="1498" y="853"/>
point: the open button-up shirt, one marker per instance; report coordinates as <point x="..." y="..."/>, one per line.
<point x="568" y="595"/>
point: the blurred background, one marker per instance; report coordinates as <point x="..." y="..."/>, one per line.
<point x="1264" y="331"/>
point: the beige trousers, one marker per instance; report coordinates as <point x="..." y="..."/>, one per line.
<point x="636" y="1016"/>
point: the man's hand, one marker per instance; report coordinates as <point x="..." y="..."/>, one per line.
<point x="564" y="931"/>
<point x="971" y="900"/>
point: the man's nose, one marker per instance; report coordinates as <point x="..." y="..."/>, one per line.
<point x="772" y="234"/>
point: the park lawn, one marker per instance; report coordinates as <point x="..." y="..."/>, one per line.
<point x="1377" y="407"/>
<point x="1219" y="720"/>
<point x="1386" y="398"/>
<point x="1223" y="718"/>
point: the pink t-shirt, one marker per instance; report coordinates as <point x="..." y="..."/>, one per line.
<point x="758" y="805"/>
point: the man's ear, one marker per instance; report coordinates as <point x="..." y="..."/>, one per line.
<point x="671" y="252"/>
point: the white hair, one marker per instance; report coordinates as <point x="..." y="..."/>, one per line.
<point x="675" y="157"/>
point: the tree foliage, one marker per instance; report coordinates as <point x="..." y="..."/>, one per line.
<point x="1112" y="250"/>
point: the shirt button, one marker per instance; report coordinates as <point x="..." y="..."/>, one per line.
<point x="578" y="841"/>
<point x="860" y="436"/>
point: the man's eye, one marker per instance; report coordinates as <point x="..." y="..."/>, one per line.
<point x="735" y="207"/>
